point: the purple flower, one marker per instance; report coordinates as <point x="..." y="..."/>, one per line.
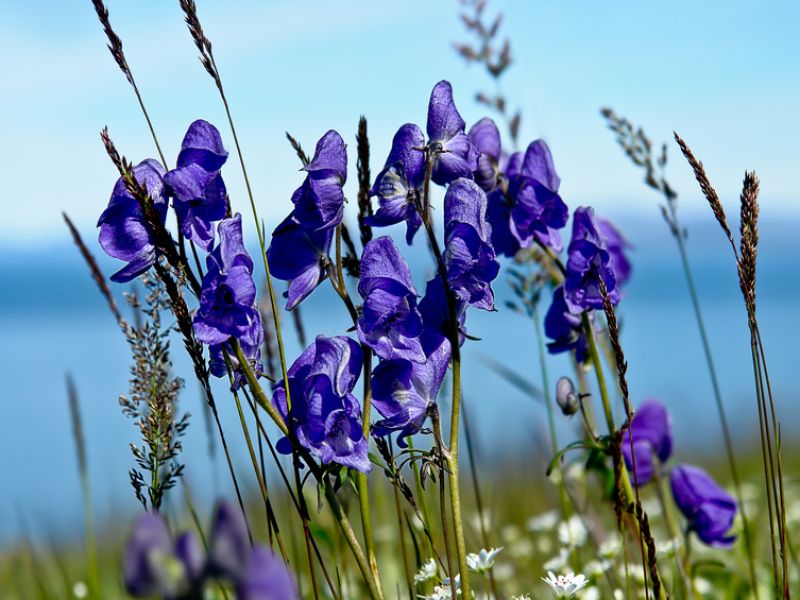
<point x="530" y="209"/>
<point x="469" y="256"/>
<point x="403" y="391"/>
<point x="652" y="440"/>
<point x="588" y="262"/>
<point x="228" y="543"/>
<point x="250" y="342"/>
<point x="197" y="189"/>
<point x="398" y="185"/>
<point x="123" y="231"/>
<point x="617" y="245"/>
<point x="454" y="154"/>
<point x="435" y="316"/>
<point x="228" y="292"/>
<point x="298" y="255"/>
<point x="266" y="578"/>
<point x="485" y="137"/>
<point x="709" y="509"/>
<point x="390" y="323"/>
<point x="152" y="565"/>
<point x="326" y="417"/>
<point x="202" y="146"/>
<point x="565" y="329"/>
<point x="319" y="201"/>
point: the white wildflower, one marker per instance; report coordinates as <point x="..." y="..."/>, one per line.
<point x="522" y="548"/>
<point x="565" y="586"/>
<point x="668" y="548"/>
<point x="543" y="522"/>
<point x="703" y="586"/>
<point x="441" y="592"/>
<point x="572" y="532"/>
<point x="591" y="593"/>
<point x="80" y="590"/>
<point x="426" y="572"/>
<point x="557" y="562"/>
<point x="597" y="567"/>
<point x="610" y="547"/>
<point x="524" y="597"/>
<point x="503" y="572"/>
<point x="483" y="560"/>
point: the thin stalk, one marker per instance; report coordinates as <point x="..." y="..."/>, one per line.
<point x="669" y="520"/>
<point x="426" y="520"/>
<point x="330" y="495"/>
<point x="723" y="418"/>
<point x="627" y="488"/>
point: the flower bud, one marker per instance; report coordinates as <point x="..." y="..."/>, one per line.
<point x="567" y="399"/>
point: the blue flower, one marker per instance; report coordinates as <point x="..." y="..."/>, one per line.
<point x="652" y="440"/>
<point x="588" y="262"/>
<point x="123" y="231"/>
<point x="454" y="153"/>
<point x="390" y="323"/>
<point x="565" y="329"/>
<point x="319" y="201"/>
<point x="469" y="256"/>
<point x="709" y="509"/>
<point x="398" y="185"/>
<point x="196" y="186"/>
<point x="485" y="137"/>
<point x="326" y="416"/>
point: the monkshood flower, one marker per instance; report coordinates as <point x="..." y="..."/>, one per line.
<point x="588" y="262"/>
<point x="565" y="586"/>
<point x="403" y="392"/>
<point x="454" y="153"/>
<point x="266" y="578"/>
<point x="196" y="186"/>
<point x="469" y="256"/>
<point x="617" y="246"/>
<point x="709" y="509"/>
<point x="485" y="137"/>
<point x="228" y="291"/>
<point x="567" y="398"/>
<point x="529" y="209"/>
<point x="435" y="316"/>
<point x="652" y="440"/>
<point x="319" y="201"/>
<point x="228" y="544"/>
<point x="565" y="328"/>
<point x="298" y="255"/>
<point x="398" y="185"/>
<point x="390" y="322"/>
<point x="153" y="565"/>
<point x="326" y="416"/>
<point x="123" y="231"/>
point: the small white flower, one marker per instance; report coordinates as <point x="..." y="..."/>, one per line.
<point x="543" y="522"/>
<point x="557" y="562"/>
<point x="522" y="548"/>
<point x="441" y="592"/>
<point x="610" y="546"/>
<point x="80" y="590"/>
<point x="703" y="586"/>
<point x="483" y="561"/>
<point x="573" y="532"/>
<point x="525" y="597"/>
<point x="565" y="586"/>
<point x="597" y="567"/>
<point x="668" y="548"/>
<point x="591" y="593"/>
<point x="426" y="572"/>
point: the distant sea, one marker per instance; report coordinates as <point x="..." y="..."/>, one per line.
<point x="53" y="321"/>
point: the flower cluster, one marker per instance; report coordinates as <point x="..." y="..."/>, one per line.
<point x="155" y="564"/>
<point x="708" y="508"/>
<point x="300" y="245"/>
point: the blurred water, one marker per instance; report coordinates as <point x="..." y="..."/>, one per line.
<point x="52" y="320"/>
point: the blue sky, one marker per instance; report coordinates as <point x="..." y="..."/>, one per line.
<point x="722" y="73"/>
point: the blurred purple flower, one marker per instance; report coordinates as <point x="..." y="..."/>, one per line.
<point x="529" y="208"/>
<point x="485" y="137"/>
<point x="403" y="391"/>
<point x="228" y="292"/>
<point x="123" y="231"/>
<point x="588" y="261"/>
<point x="565" y="329"/>
<point x="617" y="246"/>
<point x="709" y="509"/>
<point x="434" y="310"/>
<point x="266" y="578"/>
<point x="399" y="183"/>
<point x="297" y="255"/>
<point x="152" y="565"/>
<point x="390" y="323"/>
<point x="454" y="154"/>
<point x="652" y="440"/>
<point x="326" y="416"/>
<point x="319" y="201"/>
<point x="469" y="256"/>
<point x="228" y="542"/>
<point x="250" y="342"/>
<point x="196" y="187"/>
